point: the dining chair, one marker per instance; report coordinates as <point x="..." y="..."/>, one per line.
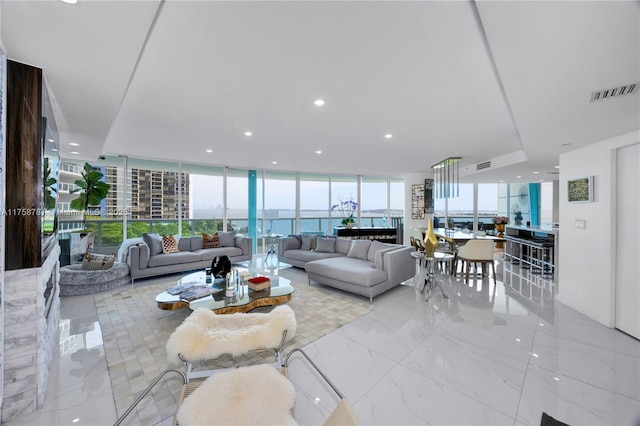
<point x="418" y="238"/>
<point x="412" y="240"/>
<point x="476" y="251"/>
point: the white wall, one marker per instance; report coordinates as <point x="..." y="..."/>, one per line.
<point x="413" y="179"/>
<point x="587" y="257"/>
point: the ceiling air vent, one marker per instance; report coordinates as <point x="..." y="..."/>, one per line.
<point x="482" y="166"/>
<point x="615" y="92"/>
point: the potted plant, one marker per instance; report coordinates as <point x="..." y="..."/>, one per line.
<point x="91" y="189"/>
<point x="346" y="208"/>
<point x="500" y="222"/>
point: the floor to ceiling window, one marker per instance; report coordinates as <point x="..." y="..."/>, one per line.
<point x="206" y="203"/>
<point x="189" y="199"/>
<point x="238" y="200"/>
<point x="461" y="210"/>
<point x="314" y="203"/>
<point x="374" y="207"/>
<point x="159" y="197"/>
<point x="396" y="201"/>
<point x="343" y="189"/>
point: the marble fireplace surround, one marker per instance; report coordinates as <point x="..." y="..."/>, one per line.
<point x="31" y="335"/>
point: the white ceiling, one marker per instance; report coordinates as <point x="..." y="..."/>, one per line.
<point x="506" y="81"/>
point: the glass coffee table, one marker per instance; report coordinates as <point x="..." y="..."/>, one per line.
<point x="245" y="300"/>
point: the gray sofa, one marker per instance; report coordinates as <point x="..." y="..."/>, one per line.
<point x="146" y="259"/>
<point x="364" y="267"/>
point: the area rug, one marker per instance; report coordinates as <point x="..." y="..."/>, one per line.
<point x="135" y="333"/>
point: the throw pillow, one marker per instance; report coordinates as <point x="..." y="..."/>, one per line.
<point x="97" y="262"/>
<point x="308" y="242"/>
<point x="227" y="239"/>
<point x="343" y="245"/>
<point x="210" y="241"/>
<point x="375" y="246"/>
<point x="359" y="249"/>
<point x="326" y="245"/>
<point x="169" y="244"/>
<point x="154" y="241"/>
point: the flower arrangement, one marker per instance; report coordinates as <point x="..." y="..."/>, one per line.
<point x="500" y="220"/>
<point x="346" y="208"/>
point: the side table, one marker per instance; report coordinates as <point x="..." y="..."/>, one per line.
<point x="273" y="250"/>
<point x="425" y="279"/>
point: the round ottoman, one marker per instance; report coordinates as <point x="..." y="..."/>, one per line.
<point x="76" y="282"/>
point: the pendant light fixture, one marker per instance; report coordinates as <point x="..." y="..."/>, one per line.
<point x="446" y="178"/>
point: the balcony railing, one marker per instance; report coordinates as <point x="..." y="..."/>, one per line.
<point x="109" y="236"/>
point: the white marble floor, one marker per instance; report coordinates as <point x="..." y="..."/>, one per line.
<point x="489" y="354"/>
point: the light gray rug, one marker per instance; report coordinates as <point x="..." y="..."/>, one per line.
<point x="135" y="333"/>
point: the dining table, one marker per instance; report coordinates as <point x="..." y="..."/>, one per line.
<point x="454" y="237"/>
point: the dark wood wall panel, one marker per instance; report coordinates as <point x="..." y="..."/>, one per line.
<point x="23" y="167"/>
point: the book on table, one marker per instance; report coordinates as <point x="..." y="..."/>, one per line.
<point x="181" y="288"/>
<point x="198" y="293"/>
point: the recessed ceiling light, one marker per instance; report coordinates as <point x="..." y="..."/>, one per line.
<point x="318" y="102"/>
<point x="557" y="167"/>
<point x="535" y="173"/>
<point x="247" y="133"/>
<point x="74" y="144"/>
<point x="388" y="136"/>
<point x="69" y="1"/>
<point x="209" y="151"/>
<point x="318" y="152"/>
<point x="541" y="180"/>
<point x="74" y="152"/>
<point x="274" y="162"/>
<point x="501" y="181"/>
<point x="518" y="177"/>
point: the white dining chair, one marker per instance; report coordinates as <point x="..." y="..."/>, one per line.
<point x="476" y="251"/>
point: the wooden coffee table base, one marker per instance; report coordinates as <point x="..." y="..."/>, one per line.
<point x="256" y="303"/>
<point x="172" y="306"/>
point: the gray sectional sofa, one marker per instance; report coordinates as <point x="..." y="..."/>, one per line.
<point x="364" y="267"/>
<point x="145" y="257"/>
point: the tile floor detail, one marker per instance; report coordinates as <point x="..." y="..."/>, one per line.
<point x="490" y="354"/>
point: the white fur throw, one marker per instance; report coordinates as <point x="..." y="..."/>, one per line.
<point x="254" y="395"/>
<point x="204" y="335"/>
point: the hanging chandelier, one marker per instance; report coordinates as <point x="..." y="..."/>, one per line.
<point x="446" y="178"/>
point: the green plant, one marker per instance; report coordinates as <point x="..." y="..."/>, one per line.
<point x="49" y="190"/>
<point x="91" y="188"/>
<point x="346" y="209"/>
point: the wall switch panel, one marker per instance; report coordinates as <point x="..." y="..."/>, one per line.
<point x="581" y="224"/>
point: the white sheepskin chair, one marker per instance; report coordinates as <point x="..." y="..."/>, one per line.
<point x="203" y="335"/>
<point x="253" y="395"/>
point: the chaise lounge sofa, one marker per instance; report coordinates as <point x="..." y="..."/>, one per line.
<point x="363" y="267"/>
<point x="145" y="256"/>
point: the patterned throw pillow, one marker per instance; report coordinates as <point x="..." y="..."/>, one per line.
<point x="169" y="244"/>
<point x="97" y="262"/>
<point x="210" y="241"/>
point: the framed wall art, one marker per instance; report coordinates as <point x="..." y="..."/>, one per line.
<point x="417" y="201"/>
<point x="428" y="196"/>
<point x="580" y="190"/>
